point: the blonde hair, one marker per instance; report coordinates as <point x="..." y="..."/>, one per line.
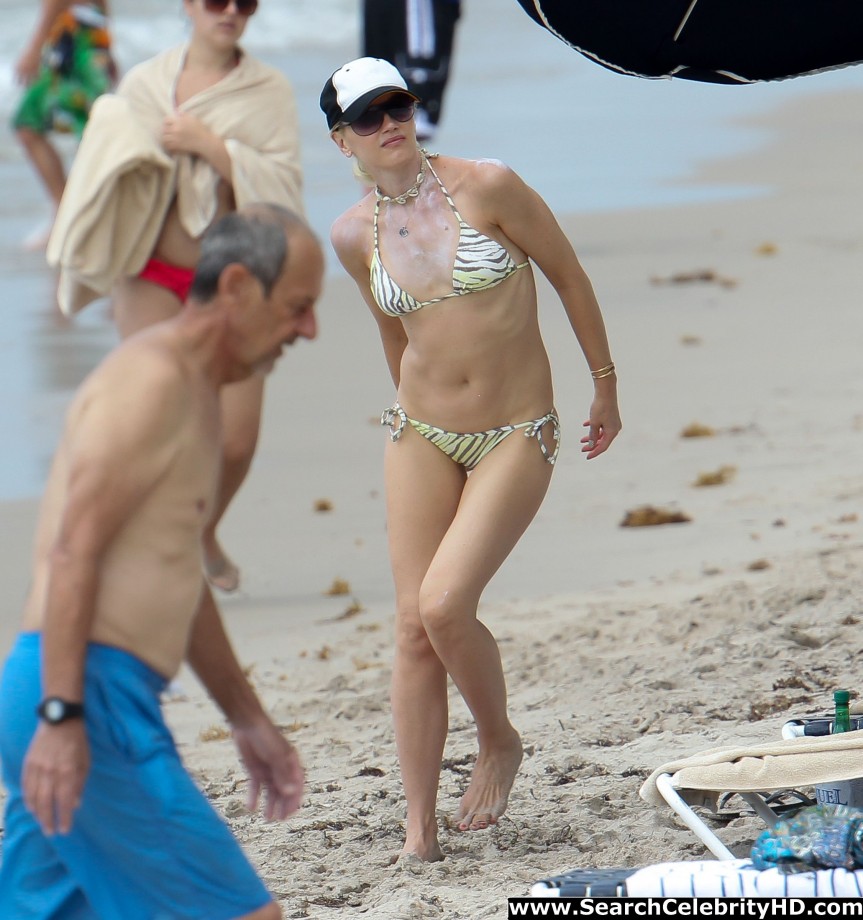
<point x="361" y="174"/>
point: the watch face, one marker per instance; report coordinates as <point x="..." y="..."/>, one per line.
<point x="54" y="710"/>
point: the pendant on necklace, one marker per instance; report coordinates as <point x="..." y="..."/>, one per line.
<point x="403" y="231"/>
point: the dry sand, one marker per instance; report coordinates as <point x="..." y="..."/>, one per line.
<point x="624" y="647"/>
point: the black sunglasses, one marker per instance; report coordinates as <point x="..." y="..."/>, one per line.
<point x="244" y="7"/>
<point x="399" y="108"/>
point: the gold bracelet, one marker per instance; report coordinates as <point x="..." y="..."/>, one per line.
<point x="606" y="371"/>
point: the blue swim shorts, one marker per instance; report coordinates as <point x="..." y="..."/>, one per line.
<point x="145" y="843"/>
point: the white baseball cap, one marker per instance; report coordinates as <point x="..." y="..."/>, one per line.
<point x="348" y="92"/>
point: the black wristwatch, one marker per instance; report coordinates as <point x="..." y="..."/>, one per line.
<point x="54" y="710"/>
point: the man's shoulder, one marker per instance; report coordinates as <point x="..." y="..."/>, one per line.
<point x="148" y="364"/>
<point x="138" y="395"/>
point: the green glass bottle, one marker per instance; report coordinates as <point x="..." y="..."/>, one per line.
<point x="842" y="718"/>
<point x="841" y="792"/>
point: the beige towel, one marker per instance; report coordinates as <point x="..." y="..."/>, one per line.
<point x="763" y="768"/>
<point x="116" y="198"/>
<point x="122" y="183"/>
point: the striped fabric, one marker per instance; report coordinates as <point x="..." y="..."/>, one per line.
<point x="709" y="878"/>
<point x="468" y="449"/>
<point x="480" y="264"/>
<point x="420" y="29"/>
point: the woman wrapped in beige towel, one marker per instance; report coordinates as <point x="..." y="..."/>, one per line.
<point x="195" y="132"/>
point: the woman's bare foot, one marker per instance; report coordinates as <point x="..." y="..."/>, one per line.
<point x="219" y="570"/>
<point x="422" y="844"/>
<point x="431" y="853"/>
<point x="487" y="795"/>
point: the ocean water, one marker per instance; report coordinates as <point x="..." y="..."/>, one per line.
<point x="585" y="138"/>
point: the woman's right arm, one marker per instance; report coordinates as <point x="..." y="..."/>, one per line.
<point x="351" y="246"/>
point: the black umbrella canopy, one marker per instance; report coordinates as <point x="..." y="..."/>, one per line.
<point x="716" y="41"/>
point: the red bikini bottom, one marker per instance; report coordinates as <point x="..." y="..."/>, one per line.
<point x="173" y="278"/>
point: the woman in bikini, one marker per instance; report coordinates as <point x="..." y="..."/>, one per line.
<point x="260" y="144"/>
<point x="440" y="250"/>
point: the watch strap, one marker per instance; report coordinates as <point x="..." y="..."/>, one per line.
<point x="54" y="710"/>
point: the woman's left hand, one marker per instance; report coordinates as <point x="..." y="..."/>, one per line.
<point x="603" y="427"/>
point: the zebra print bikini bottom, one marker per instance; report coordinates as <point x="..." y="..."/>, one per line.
<point x="469" y="448"/>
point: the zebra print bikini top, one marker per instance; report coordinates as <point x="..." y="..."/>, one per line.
<point x="480" y="264"/>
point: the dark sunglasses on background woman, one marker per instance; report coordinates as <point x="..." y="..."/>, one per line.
<point x="244" y="7"/>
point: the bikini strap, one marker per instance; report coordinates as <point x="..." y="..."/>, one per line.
<point x="375" y="222"/>
<point x="388" y="418"/>
<point x="534" y="430"/>
<point x="446" y="194"/>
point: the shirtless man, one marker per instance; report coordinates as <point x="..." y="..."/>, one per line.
<point x="102" y="819"/>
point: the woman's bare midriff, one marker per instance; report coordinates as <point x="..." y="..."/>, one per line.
<point x="138" y="304"/>
<point x="477" y="361"/>
<point x="174" y="245"/>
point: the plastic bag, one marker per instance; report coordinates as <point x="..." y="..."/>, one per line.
<point x="815" y="837"/>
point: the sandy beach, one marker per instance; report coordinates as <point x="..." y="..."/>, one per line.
<point x="624" y="647"/>
<point x="735" y="319"/>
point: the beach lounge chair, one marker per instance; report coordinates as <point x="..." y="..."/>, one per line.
<point x="754" y="773"/>
<point x="711" y="878"/>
